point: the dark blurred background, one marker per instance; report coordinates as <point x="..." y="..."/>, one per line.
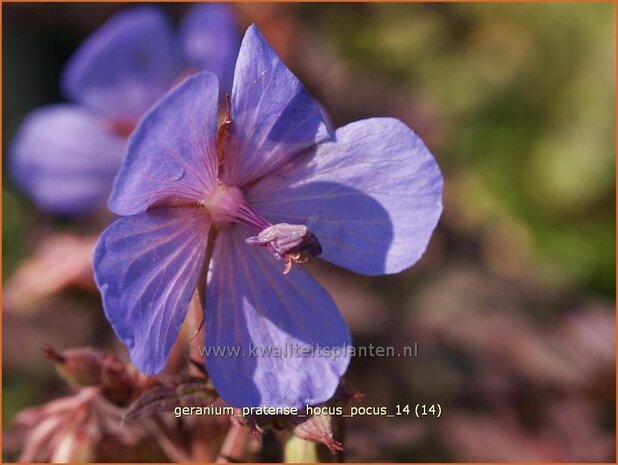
<point x="513" y="305"/>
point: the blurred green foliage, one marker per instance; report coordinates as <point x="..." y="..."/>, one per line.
<point x="526" y="93"/>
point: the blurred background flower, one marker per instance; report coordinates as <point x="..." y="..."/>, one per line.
<point x="65" y="156"/>
<point x="513" y="306"/>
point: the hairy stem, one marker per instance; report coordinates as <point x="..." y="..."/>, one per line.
<point x="204" y="430"/>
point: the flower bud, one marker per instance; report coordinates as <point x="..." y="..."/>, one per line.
<point x="80" y="367"/>
<point x="118" y="383"/>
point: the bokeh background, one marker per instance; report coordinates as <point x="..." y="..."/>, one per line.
<point x="513" y="305"/>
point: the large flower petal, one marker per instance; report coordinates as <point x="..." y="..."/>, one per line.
<point x="250" y="304"/>
<point x="65" y="159"/>
<point x="273" y="116"/>
<point x="372" y="196"/>
<point x="172" y="157"/>
<point x="147" y="267"/>
<point x="210" y="41"/>
<point x="123" y="67"/>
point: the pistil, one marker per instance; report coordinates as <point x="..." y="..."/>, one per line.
<point x="293" y="243"/>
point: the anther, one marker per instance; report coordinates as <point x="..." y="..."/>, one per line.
<point x="294" y="243"/>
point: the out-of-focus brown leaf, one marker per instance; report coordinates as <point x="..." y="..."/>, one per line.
<point x="60" y="261"/>
<point x="484" y="438"/>
<point x="182" y="391"/>
<point x="68" y="429"/>
<point x="572" y="422"/>
<point x="480" y="315"/>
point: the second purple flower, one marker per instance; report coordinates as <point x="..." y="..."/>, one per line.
<point x="65" y="156"/>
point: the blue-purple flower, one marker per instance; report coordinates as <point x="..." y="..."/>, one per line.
<point x="65" y="156"/>
<point x="255" y="197"/>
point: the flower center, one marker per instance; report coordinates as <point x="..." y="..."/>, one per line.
<point x="227" y="205"/>
<point x="293" y="243"/>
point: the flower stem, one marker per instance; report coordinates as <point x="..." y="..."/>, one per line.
<point x="235" y="440"/>
<point x="299" y="450"/>
<point x="204" y="429"/>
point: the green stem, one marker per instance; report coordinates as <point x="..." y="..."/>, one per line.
<point x="298" y="450"/>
